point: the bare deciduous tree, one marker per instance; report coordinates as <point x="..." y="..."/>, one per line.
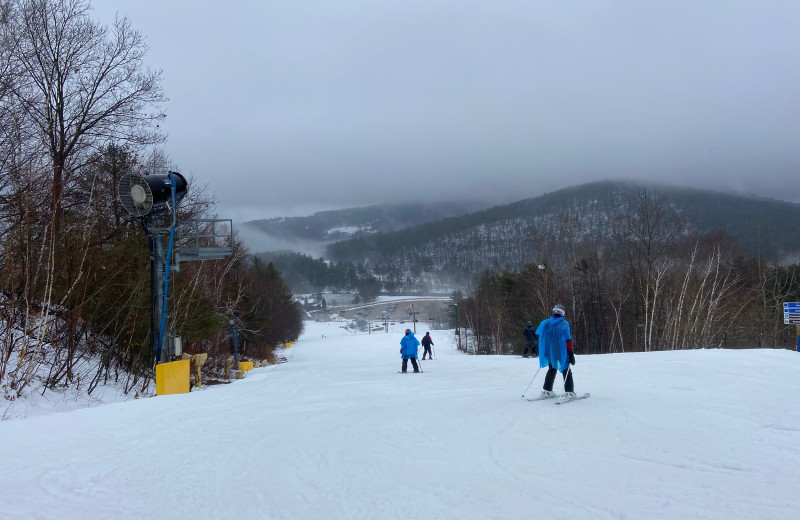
<point x="648" y="232"/>
<point x="81" y="85"/>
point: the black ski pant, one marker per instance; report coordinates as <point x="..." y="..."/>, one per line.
<point x="413" y="362"/>
<point x="550" y="378"/>
<point x="427" y="351"/>
<point x="533" y="349"/>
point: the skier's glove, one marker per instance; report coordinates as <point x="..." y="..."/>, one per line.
<point x="571" y="358"/>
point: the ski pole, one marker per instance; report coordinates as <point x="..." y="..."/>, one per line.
<point x="529" y="384"/>
<point x="567" y="374"/>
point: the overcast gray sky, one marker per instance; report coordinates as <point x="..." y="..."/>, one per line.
<point x="286" y="107"/>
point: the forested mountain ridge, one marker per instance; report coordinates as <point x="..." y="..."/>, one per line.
<point x="333" y="225"/>
<point x="507" y="236"/>
<point x="640" y="267"/>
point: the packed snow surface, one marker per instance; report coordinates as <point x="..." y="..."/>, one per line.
<point x="337" y="433"/>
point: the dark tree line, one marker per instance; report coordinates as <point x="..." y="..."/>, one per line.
<point x="79" y="109"/>
<point x="334" y="224"/>
<point x="640" y="277"/>
<point x="305" y="274"/>
<point x="652" y="284"/>
<point x="451" y="251"/>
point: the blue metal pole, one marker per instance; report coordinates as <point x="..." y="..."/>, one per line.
<point x="166" y="269"/>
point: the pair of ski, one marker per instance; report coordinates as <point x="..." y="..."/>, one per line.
<point x="563" y="398"/>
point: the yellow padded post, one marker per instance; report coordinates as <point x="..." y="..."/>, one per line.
<point x="198" y="360"/>
<point x="172" y="378"/>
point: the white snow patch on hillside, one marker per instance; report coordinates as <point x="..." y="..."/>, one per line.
<point x="337" y="433"/>
<point x="347" y="230"/>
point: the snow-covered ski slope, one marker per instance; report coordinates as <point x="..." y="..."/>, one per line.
<point x="337" y="433"/>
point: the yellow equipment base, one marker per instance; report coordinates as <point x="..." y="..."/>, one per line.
<point x="172" y="378"/>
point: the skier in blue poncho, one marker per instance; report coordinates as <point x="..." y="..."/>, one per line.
<point x="408" y="349"/>
<point x="555" y="351"/>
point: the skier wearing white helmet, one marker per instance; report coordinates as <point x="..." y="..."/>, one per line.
<point x="555" y="351"/>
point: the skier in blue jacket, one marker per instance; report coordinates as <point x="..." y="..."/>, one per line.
<point x="409" y="350"/>
<point x="555" y="351"/>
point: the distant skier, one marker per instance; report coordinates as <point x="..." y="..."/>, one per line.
<point x="426" y="343"/>
<point x="530" y="341"/>
<point x="555" y="351"/>
<point x="408" y="348"/>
